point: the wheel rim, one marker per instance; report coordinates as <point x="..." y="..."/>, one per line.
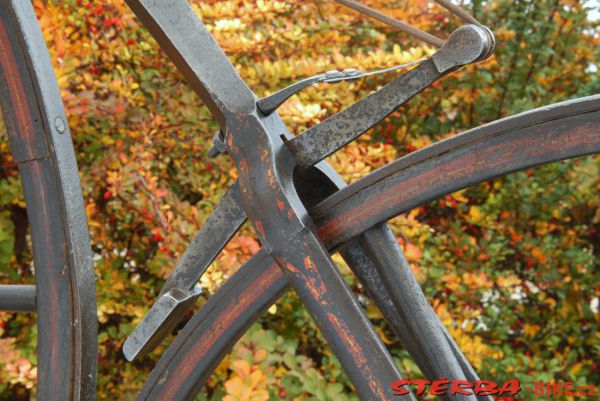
<point x="41" y="146"/>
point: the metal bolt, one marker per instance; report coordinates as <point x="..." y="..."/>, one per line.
<point x="213" y="152"/>
<point x="60" y="126"/>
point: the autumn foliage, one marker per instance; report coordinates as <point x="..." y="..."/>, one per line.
<point x="510" y="266"/>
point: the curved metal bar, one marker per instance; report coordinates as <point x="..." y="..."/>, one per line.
<point x="41" y="144"/>
<point x="190" y="46"/>
<point x="564" y="130"/>
<point x="189" y="361"/>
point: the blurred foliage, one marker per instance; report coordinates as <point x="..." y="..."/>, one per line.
<point x="511" y="266"/>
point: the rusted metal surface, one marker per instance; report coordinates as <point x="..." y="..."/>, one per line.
<point x="41" y="144"/>
<point x="466" y="45"/>
<point x="281" y="221"/>
<point x="281" y="188"/>
<point x="167" y="372"/>
<point x="266" y="158"/>
<point x="272" y="205"/>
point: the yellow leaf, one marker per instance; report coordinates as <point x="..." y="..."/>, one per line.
<point x="475" y="215"/>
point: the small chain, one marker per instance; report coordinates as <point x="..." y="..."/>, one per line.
<point x="407" y="28"/>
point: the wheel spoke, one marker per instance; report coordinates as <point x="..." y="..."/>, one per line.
<point x="17" y="298"/>
<point x="185" y="39"/>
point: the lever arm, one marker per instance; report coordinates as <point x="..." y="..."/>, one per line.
<point x="466" y="45"/>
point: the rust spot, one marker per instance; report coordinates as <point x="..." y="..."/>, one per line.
<point x="318" y="290"/>
<point x="280" y="204"/>
<point x="271" y="178"/>
<point x="264" y="155"/>
<point x="358" y="355"/>
<point x="290" y="214"/>
<point x="231" y="145"/>
<point x="244" y="166"/>
<point x="314" y="282"/>
<point x="292" y="268"/>
<point x="259" y="228"/>
<point x="309" y="264"/>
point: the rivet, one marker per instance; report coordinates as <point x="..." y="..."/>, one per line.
<point x="60" y="126"/>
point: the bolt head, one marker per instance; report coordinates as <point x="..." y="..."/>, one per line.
<point x="60" y="125"/>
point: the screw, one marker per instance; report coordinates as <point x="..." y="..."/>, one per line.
<point x="213" y="152"/>
<point x="60" y="126"/>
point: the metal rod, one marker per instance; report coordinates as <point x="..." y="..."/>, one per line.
<point x="17" y="298"/>
<point x="393" y="22"/>
<point x="458" y="11"/>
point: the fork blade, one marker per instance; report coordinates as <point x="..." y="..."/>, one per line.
<point x="380" y="264"/>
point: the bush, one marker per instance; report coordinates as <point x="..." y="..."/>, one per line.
<point x="511" y="266"/>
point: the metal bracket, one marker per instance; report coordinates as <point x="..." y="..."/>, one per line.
<point x="159" y="321"/>
<point x="218" y="145"/>
<point x="269" y="104"/>
<point x="215" y="233"/>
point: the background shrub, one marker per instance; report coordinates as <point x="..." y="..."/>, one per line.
<point x="511" y="266"/>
